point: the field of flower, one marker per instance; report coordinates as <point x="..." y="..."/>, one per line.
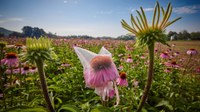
<point x="175" y="86"/>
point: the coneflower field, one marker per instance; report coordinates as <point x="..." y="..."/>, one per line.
<point x="175" y="86"/>
<point x="146" y="74"/>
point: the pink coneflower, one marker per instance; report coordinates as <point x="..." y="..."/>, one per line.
<point x="129" y="60"/>
<point x="10" y="60"/>
<point x="65" y="65"/>
<point x="121" y="67"/>
<point x="135" y="83"/>
<point x="164" y="55"/>
<point x="172" y="64"/>
<point x="19" y="46"/>
<point x="98" y="68"/>
<point x="1" y="95"/>
<point x="102" y="71"/>
<point x="167" y="70"/>
<point x="99" y="71"/>
<point x="122" y="79"/>
<point x="75" y="45"/>
<point x="156" y="50"/>
<point x="25" y="69"/>
<point x="192" y="52"/>
<point x="198" y="70"/>
<point x="33" y="69"/>
<point x="176" y="53"/>
<point x="111" y="93"/>
<point x="169" y="50"/>
<point x="129" y="48"/>
<point x="14" y="71"/>
<point x="142" y="57"/>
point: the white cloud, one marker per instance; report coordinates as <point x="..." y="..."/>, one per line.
<point x="179" y="10"/>
<point x="65" y="1"/>
<point x="131" y="10"/>
<point x="148" y="9"/>
<point x="145" y="9"/>
<point x="70" y="1"/>
<point x="187" y="9"/>
<point x="106" y="12"/>
<point x="10" y="20"/>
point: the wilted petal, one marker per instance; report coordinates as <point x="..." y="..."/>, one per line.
<point x="104" y="90"/>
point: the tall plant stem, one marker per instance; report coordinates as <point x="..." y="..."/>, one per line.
<point x="187" y="65"/>
<point x="149" y="79"/>
<point x="11" y="83"/>
<point x="40" y="66"/>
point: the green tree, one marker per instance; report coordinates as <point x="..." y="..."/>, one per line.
<point x="171" y="34"/>
<point x="27" y="31"/>
<point x="36" y="32"/>
<point x="15" y="34"/>
<point x="195" y="35"/>
<point x="184" y="35"/>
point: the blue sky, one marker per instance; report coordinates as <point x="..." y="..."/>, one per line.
<point x="91" y="17"/>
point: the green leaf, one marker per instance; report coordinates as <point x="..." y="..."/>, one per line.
<point x="101" y="109"/>
<point x="69" y="108"/>
<point x="26" y="109"/>
<point x="133" y="20"/>
<point x="164" y="103"/>
<point x="154" y="15"/>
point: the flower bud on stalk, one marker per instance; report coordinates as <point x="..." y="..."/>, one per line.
<point x="39" y="50"/>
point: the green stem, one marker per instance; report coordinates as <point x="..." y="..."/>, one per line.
<point x="11" y="83"/>
<point x="1" y="51"/>
<point x="4" y="100"/>
<point x="40" y="66"/>
<point x="150" y="77"/>
<point x="20" y="72"/>
<point x="187" y="64"/>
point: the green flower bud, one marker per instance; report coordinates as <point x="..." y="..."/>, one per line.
<point x="39" y="49"/>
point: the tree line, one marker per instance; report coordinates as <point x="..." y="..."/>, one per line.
<point x="183" y="35"/>
<point x="28" y="31"/>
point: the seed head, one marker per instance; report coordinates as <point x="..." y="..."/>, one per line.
<point x="122" y="75"/>
<point x="11" y="55"/>
<point x="100" y="62"/>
